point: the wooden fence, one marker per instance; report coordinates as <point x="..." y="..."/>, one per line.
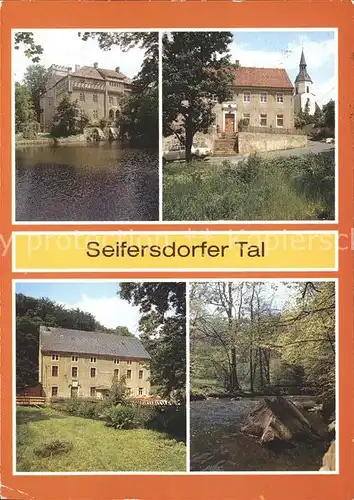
<point x="30" y="401"/>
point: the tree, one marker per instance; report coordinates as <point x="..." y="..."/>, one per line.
<point x="118" y="391"/>
<point x="329" y="114"/>
<point x="163" y="332"/>
<point x="68" y="120"/>
<point x="139" y="113"/>
<point x="123" y="331"/>
<point x="24" y="111"/>
<point x="32" y="50"/>
<point x="196" y="66"/>
<point x="35" y="80"/>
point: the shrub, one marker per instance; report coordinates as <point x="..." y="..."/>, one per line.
<point x="55" y="447"/>
<point x="169" y="419"/>
<point x="122" y="416"/>
<point x="30" y="130"/>
<point x="118" y="392"/>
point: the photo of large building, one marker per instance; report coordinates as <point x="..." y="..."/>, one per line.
<point x="83" y="364"/>
<point x="98" y="91"/>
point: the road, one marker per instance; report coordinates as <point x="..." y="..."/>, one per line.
<point x="313" y="147"/>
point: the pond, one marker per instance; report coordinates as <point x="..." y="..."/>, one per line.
<point x="86" y="182"/>
<point x="216" y="443"/>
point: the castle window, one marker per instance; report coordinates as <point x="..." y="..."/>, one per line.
<point x="140" y="391"/>
<point x="93" y="392"/>
<point x="247" y="96"/>
<point x="74" y="358"/>
<point x="141" y="374"/>
<point x="246" y="118"/>
<point x="280" y="98"/>
<point x="263" y="97"/>
<point x="82" y="96"/>
<point x="95" y="97"/>
<point x="93" y="372"/>
<point x="129" y="374"/>
<point x="93" y="360"/>
<point x="49" y="102"/>
<point x="95" y="114"/>
<point x="54" y="391"/>
<point x="74" y="372"/>
<point x="263" y="120"/>
<point x="129" y="361"/>
<point x="116" y="372"/>
<point x="55" y="371"/>
<point x="116" y="361"/>
<point x="280" y="120"/>
<point x="117" y="101"/>
<point x="110" y="99"/>
<point x="307" y="89"/>
<point x="214" y="98"/>
<point x="55" y="357"/>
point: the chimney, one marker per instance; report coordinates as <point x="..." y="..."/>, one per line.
<point x="237" y="63"/>
<point x="95" y="65"/>
<point x="77" y="67"/>
<point x="117" y="69"/>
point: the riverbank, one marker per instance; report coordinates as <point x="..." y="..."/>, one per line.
<point x="217" y="443"/>
<point x="48" y="140"/>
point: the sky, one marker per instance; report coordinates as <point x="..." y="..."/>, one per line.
<point x="65" y="48"/>
<point x="282" y="49"/>
<point x="98" y="298"/>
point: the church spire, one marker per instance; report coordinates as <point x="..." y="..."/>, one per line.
<point x="303" y="75"/>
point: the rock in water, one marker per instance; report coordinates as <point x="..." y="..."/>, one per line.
<point x="277" y="419"/>
<point x="329" y="458"/>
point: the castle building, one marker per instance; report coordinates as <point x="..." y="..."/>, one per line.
<point x="99" y="92"/>
<point x="304" y="96"/>
<point x="83" y="364"/>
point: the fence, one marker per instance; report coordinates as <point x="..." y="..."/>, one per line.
<point x="30" y="401"/>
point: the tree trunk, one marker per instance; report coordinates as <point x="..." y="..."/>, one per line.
<point x="189" y="142"/>
<point x="251" y="371"/>
<point x="235" y="386"/>
<point x="261" y="379"/>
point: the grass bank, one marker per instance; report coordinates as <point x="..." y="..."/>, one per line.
<point x="47" y="140"/>
<point x="291" y="188"/>
<point x="93" y="447"/>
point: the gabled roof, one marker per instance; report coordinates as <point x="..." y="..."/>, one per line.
<point x="276" y="78"/>
<point x="95" y="343"/>
<point x="98" y="73"/>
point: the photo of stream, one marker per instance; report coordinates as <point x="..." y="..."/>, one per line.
<point x="262" y="373"/>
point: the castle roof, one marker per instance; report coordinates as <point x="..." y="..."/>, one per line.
<point x="276" y="78"/>
<point x="303" y="75"/>
<point x="98" y="73"/>
<point x="95" y="343"/>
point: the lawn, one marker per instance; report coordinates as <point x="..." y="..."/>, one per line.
<point x="94" y="446"/>
<point x="291" y="188"/>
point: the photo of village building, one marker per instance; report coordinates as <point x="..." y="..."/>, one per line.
<point x="78" y="363"/>
<point x="99" y="92"/>
<point x="85" y="126"/>
<point x="100" y="365"/>
<point x="221" y="110"/>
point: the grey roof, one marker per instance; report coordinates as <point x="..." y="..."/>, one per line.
<point x="96" y="343"/>
<point x="303" y="75"/>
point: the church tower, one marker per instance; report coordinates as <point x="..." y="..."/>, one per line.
<point x="303" y="89"/>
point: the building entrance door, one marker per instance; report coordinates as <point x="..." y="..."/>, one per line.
<point x="74" y="392"/>
<point x="229" y="123"/>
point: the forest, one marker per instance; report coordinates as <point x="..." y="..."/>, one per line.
<point x="263" y="338"/>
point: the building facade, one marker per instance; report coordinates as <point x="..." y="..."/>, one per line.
<point x="83" y="364"/>
<point x="99" y="92"/>
<point x="261" y="97"/>
<point x="304" y="95"/>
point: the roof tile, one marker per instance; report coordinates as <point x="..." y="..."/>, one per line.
<point x="262" y="77"/>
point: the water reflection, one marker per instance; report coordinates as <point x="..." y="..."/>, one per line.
<point x="86" y="182"/>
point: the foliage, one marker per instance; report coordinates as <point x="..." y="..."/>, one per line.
<point x="102" y="123"/>
<point x="30" y="130"/>
<point x="163" y="332"/>
<point x="32" y="50"/>
<point x="196" y="66"/>
<point x="35" y="80"/>
<point x="68" y="119"/>
<point x="138" y="119"/>
<point x="303" y="117"/>
<point x="31" y="313"/>
<point x="329" y="114"/>
<point x="55" y="447"/>
<point x="109" y="449"/>
<point x="122" y="417"/>
<point x="288" y="188"/>
<point x="24" y="111"/>
<point x="240" y="338"/>
<point x="118" y="391"/>
<point x="169" y="419"/>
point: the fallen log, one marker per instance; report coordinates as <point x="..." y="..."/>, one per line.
<point x="277" y="420"/>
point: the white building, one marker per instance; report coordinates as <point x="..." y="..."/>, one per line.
<point x="304" y="89"/>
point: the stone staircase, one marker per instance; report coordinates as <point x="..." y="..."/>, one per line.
<point x="225" y="145"/>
